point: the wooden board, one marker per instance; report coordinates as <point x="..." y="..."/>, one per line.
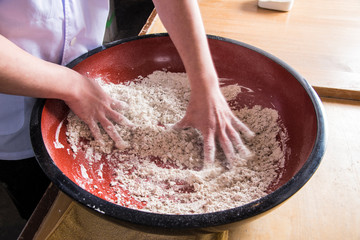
<point x="320" y="39"/>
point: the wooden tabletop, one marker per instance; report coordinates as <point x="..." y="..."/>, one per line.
<point x="320" y="39"/>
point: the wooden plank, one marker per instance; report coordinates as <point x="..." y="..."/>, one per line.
<point x="58" y="209"/>
<point x="148" y="23"/>
<point x="317" y="38"/>
<point x="36" y="219"/>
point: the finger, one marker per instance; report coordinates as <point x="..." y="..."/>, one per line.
<point x="95" y="130"/>
<point x="240" y="126"/>
<point x="238" y="143"/>
<point x="227" y="147"/>
<point x="114" y="135"/>
<point x="119" y="105"/>
<point x="119" y="118"/>
<point x="209" y="149"/>
<point x="169" y="126"/>
<point x="182" y="124"/>
<point x="234" y="136"/>
<point x="244" y="151"/>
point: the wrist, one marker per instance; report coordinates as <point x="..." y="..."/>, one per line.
<point x="66" y="83"/>
<point x="204" y="82"/>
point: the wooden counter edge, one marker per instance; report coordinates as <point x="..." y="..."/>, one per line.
<point x="337" y="93"/>
<point x="40" y="212"/>
<point x="145" y="29"/>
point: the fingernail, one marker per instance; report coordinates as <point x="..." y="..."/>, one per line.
<point x="131" y="125"/>
<point x="207" y="165"/>
<point x="246" y="153"/>
<point x="249" y="134"/>
<point x="169" y="126"/>
<point x="122" y="146"/>
<point x="124" y="105"/>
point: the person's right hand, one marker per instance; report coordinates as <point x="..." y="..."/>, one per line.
<point x="25" y="75"/>
<point x="92" y="105"/>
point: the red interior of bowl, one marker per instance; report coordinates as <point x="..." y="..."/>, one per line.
<point x="272" y="84"/>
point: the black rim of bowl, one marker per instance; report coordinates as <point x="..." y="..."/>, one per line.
<point x="189" y="220"/>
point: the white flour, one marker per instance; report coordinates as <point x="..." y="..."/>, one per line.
<point x="174" y="183"/>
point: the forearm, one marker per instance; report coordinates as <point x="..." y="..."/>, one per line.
<point x="208" y="110"/>
<point x="26" y="75"/>
<point x="183" y="21"/>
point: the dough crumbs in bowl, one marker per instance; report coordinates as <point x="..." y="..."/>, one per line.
<point x="162" y="167"/>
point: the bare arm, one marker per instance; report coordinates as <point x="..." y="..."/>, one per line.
<point x="26" y="75"/>
<point x="208" y="110"/>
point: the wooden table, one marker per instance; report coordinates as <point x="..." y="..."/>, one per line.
<point x="321" y="40"/>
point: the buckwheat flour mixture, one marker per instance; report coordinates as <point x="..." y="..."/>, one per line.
<point x="163" y="167"/>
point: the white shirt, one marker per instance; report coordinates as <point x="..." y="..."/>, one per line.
<point x="54" y="30"/>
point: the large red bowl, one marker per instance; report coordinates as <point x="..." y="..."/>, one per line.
<point x="275" y="85"/>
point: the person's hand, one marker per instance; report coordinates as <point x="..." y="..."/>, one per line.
<point x="92" y="105"/>
<point x="25" y="75"/>
<point x="211" y="115"/>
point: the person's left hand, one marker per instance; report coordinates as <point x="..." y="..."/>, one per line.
<point x="212" y="116"/>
